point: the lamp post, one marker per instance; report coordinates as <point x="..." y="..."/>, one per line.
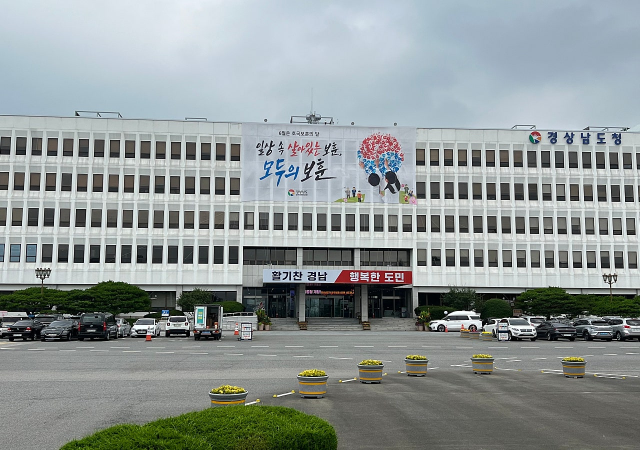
<point x="610" y="278"/>
<point x="42" y="274"/>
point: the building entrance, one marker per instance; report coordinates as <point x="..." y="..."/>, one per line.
<point x="329" y="303"/>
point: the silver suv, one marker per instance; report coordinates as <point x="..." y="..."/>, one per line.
<point x="178" y="325"/>
<point x="590" y="329"/>
<point x="624" y="329"/>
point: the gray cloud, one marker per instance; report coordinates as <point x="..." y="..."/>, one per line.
<point x="556" y="64"/>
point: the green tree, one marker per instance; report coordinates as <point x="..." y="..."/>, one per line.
<point x="117" y="297"/>
<point x="189" y="299"/>
<point x="462" y="298"/>
<point x="545" y="301"/>
<point x="32" y="301"/>
<point x="496" y="307"/>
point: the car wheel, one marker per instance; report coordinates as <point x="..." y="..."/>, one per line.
<point x="69" y="337"/>
<point x="586" y="336"/>
<point x="441" y="328"/>
<point x="473" y="328"/>
<point x="619" y="336"/>
<point x="549" y="338"/>
<point x="493" y="333"/>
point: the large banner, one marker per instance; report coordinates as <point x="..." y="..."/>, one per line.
<point x="327" y="163"/>
<point x="337" y="276"/>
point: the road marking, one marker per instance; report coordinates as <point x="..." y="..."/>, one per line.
<point x="99" y="350"/>
<point x="150" y="348"/>
<point x="296" y="356"/>
<point x="131" y="351"/>
<point x="36" y="349"/>
<point x="85" y="347"/>
<point x="123" y="347"/>
<point x="67" y="350"/>
<point x="226" y="346"/>
<point x="7" y="348"/>
<point x="260" y="346"/>
<point x="397" y="346"/>
<point x="294" y="346"/>
<point x="198" y="353"/>
<point x="626" y="347"/>
<point x="463" y="347"/>
<point x="431" y="346"/>
<point x="335" y="357"/>
<point x="514" y="360"/>
<point x="596" y="347"/>
<point x="233" y="354"/>
<point x="363" y="346"/>
<point x="328" y="346"/>
<point x="609" y="354"/>
<point x="164" y="352"/>
<point x="529" y="347"/>
<point x="265" y="355"/>
<point x="535" y="359"/>
<point x="498" y="347"/>
<point x="460" y="365"/>
<point x="564" y="347"/>
<point x="629" y="353"/>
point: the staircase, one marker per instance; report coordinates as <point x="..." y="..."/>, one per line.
<point x="284" y="324"/>
<point x="393" y="324"/>
<point x="339" y="324"/>
<point x="332" y="324"/>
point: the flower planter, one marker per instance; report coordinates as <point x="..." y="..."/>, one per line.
<point x="416" y="367"/>
<point x="482" y="365"/>
<point x="267" y="327"/>
<point x="227" y="399"/>
<point x="370" y="374"/>
<point x="419" y="327"/>
<point x="260" y="327"/>
<point x="474" y="334"/>
<point x="464" y="333"/>
<point x="486" y="337"/>
<point x="574" y="369"/>
<point x="312" y="387"/>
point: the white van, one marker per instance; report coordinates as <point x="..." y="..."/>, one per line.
<point x="456" y="320"/>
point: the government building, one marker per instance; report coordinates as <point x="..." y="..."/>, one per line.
<point x="316" y="220"/>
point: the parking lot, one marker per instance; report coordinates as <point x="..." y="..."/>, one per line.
<point x="56" y="391"/>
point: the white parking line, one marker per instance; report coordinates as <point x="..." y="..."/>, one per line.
<point x="7" y="348"/>
<point x="122" y="347"/>
<point x="153" y="348"/>
<point x="463" y="347"/>
<point x="363" y="346"/>
<point x="626" y="347"/>
<point x="562" y="347"/>
<point x="335" y="357"/>
<point x="630" y="353"/>
<point x="266" y="355"/>
<point x="260" y="346"/>
<point x="431" y="346"/>
<point x="328" y="346"/>
<point x="36" y="349"/>
<point x="294" y="346"/>
<point x="499" y="347"/>
<point x="609" y="354"/>
<point x="85" y="347"/>
<point x="302" y="356"/>
<point x="514" y="360"/>
<point x="536" y="359"/>
<point x="98" y="350"/>
<point x="233" y="354"/>
<point x="198" y="353"/>
<point x="529" y="347"/>
<point x="67" y="350"/>
<point x="596" y="347"/>
<point x="164" y="352"/>
<point x="131" y="351"/>
<point x="226" y="346"/>
<point x="397" y="346"/>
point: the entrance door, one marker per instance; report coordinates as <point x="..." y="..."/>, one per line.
<point x="326" y="307"/>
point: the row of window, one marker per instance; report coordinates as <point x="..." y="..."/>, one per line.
<point x="114" y="148"/>
<point x="275" y="221"/>
<point x="534" y="192"/>
<point x="515" y="158"/>
<point x="552" y="259"/>
<point x="177" y="184"/>
<point x="170" y="255"/>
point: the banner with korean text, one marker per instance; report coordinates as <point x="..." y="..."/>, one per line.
<point x="337" y="276"/>
<point x="327" y="163"/>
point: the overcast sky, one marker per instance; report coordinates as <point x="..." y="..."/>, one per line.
<point x="479" y="64"/>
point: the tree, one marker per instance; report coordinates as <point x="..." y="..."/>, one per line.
<point x="461" y="298"/>
<point x="546" y="301"/>
<point x="496" y="307"/>
<point x="116" y="297"/>
<point x="188" y="300"/>
<point x="33" y="301"/>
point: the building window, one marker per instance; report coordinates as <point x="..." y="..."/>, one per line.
<point x="34" y="181"/>
<point x="448" y="190"/>
<point x="159" y="184"/>
<point x="78" y="254"/>
<point x="98" y="181"/>
<point x="562" y="225"/>
<point x="546" y="193"/>
<point x="203" y="254"/>
<point x="248" y="221"/>
<point x="586" y="160"/>
<point x="278" y="221"/>
<point x="616" y="223"/>
<point x="491" y="191"/>
<point x="129" y="181"/>
<point x="533" y="192"/>
<point x="16" y="217"/>
<point x="573" y="160"/>
<point x="113" y="183"/>
<point x="407" y="226"/>
<point x="422" y="257"/>
<point x="421" y="190"/>
<point x="63" y="253"/>
<point x="336" y="222"/>
<point x="547" y="223"/>
<point x="145" y="149"/>
<point x="448" y="157"/>
<point x="175" y="150"/>
<point x="234" y="186"/>
<point x="492" y="256"/>
<point x="127" y="218"/>
<point x="531" y="159"/>
<point x="434" y="159"/>
<point x="613" y="161"/>
<point x="18" y="181"/>
<point x="490" y="158"/>
<point x="263" y="221"/>
<point x="218" y="254"/>
<point x="604" y="260"/>
<point x="205" y="185"/>
<point x="161" y="150"/>
<point x="235" y="152"/>
<point x="504" y="158"/>
<point x="534" y="225"/>
<point x="156" y="254"/>
<point x="187" y="254"/>
<point x="436" y="257"/>
<point x="560" y="193"/>
<point x="94" y="254"/>
<point x="36" y="146"/>
<point x="52" y="147"/>
<point x="203" y="222"/>
<point x="32" y="217"/>
<point x="190" y="153"/>
<point x="174" y="185"/>
<point x="129" y="149"/>
<point x="603" y="225"/>
<point x="559" y="160"/>
<point x="378" y="223"/>
<point x="50" y="182"/>
<point x="233" y="254"/>
<point x="575" y="225"/>
<point x="464" y="257"/>
<point x="588" y="193"/>
<point x="449" y="224"/>
<point x="435" y="223"/>
<point x="435" y="190"/>
<point x="81" y="217"/>
<point x="174" y="220"/>
<point x="420" y="157"/>
<point x="364" y="222"/>
<point x="463" y="191"/>
<point x="631" y="226"/>
<point x="574" y="192"/>
<point x="518" y="189"/>
<point x="234" y="220"/>
<point x="172" y="254"/>
<point x="462" y="157"/>
<point x="66" y="181"/>
<point x="506" y="224"/>
<point x="205" y="151"/>
<point x="65" y="218"/>
<point x="141" y="254"/>
<point x="125" y="254"/>
<point x="114" y="149"/>
<point x="221" y="149"/>
<point x="421" y="225"/>
<point x="219" y="186"/>
<point x="506" y="258"/>
<point x="504" y="191"/>
<point x="321" y="222"/>
<point x="158" y="219"/>
<point x="476" y="158"/>
<point x="392" y="223"/>
<point x="96" y="218"/>
<point x="478" y="258"/>
<point x="143" y="218"/>
<point x="350" y="222"/>
<point x="632" y="260"/>
<point x="477" y="224"/>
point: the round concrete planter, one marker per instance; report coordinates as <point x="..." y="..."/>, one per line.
<point x="227" y="399"/>
<point x="464" y="333"/>
<point x="416" y="367"/>
<point x="474" y="334"/>
<point x="486" y="337"/>
<point x="482" y="365"/>
<point x="574" y="369"/>
<point x="312" y="387"/>
<point x="370" y="374"/>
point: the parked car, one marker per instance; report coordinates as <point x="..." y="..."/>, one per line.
<point x="177" y="325"/>
<point x="46" y="319"/>
<point x="553" y="330"/>
<point x="97" y="325"/>
<point x="491" y="325"/>
<point x="456" y="320"/>
<point x="624" y="329"/>
<point x="535" y="320"/>
<point x="25" y="329"/>
<point x="124" y="327"/>
<point x="7" y="321"/>
<point x="519" y="328"/>
<point x="593" y="328"/>
<point x="66" y="329"/>
<point x="144" y="326"/>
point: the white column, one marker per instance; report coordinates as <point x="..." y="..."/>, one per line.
<point x="414" y="301"/>
<point x="239" y="294"/>
<point x="178" y="294"/>
<point x="364" y="302"/>
<point x="300" y="288"/>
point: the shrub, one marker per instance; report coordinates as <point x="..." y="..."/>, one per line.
<point x="573" y="359"/>
<point x="231" y="307"/>
<point x="232" y="427"/>
<point x="370" y="362"/>
<point x="312" y="373"/>
<point x="495" y="307"/>
<point x="436" y="312"/>
<point x="482" y="355"/>
<point x="416" y="357"/>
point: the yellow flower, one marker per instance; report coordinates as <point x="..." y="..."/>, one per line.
<point x="573" y="359"/>
<point x="370" y="362"/>
<point x="227" y="389"/>
<point x="416" y="357"/>
<point x="312" y="373"/>
<point x="482" y="355"/>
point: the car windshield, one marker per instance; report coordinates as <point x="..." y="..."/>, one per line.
<point x="536" y="320"/>
<point x="177" y="319"/>
<point x="60" y="323"/>
<point x="22" y="323"/>
<point x="633" y="323"/>
<point x="518" y="322"/>
<point x="599" y="322"/>
<point x="559" y="324"/>
<point x="144" y="322"/>
<point x="94" y="318"/>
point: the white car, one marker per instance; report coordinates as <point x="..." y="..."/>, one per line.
<point x="491" y="326"/>
<point x="124" y="329"/>
<point x="535" y="320"/>
<point x="178" y="325"/>
<point x="456" y="320"/>
<point x="142" y="327"/>
<point x="519" y="328"/>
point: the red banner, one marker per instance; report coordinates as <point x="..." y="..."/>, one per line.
<point x="375" y="277"/>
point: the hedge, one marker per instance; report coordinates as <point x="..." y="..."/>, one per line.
<point x="253" y="427"/>
<point x="436" y="311"/>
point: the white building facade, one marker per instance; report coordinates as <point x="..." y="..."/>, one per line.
<point x="174" y="205"/>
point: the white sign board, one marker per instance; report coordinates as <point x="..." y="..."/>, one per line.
<point x="327" y="163"/>
<point x="245" y="331"/>
<point x="503" y="331"/>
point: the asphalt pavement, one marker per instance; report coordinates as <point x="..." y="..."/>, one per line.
<point x="55" y="391"/>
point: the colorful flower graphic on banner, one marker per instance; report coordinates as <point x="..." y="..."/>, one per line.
<point x="381" y="153"/>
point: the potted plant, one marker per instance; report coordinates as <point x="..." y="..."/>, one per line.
<point x="370" y="371"/>
<point x="227" y="395"/>
<point x="267" y="323"/>
<point x="261" y="315"/>
<point x="486" y="336"/>
<point x="312" y="383"/>
<point x="482" y="363"/>
<point x="416" y="365"/>
<point x="574" y="367"/>
<point x="422" y="320"/>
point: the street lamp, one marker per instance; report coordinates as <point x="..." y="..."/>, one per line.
<point x="610" y="278"/>
<point x="42" y="274"/>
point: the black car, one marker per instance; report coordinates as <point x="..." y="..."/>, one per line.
<point x="97" y="325"/>
<point x="46" y="319"/>
<point x="66" y="329"/>
<point x="554" y="330"/>
<point x="25" y="329"/>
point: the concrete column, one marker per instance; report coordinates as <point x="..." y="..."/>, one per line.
<point x="300" y="288"/>
<point x="239" y="294"/>
<point x="357" y="304"/>
<point x="414" y="300"/>
<point x="178" y="294"/>
<point x="364" y="302"/>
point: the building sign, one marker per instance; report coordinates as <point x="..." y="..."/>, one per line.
<point x="585" y="137"/>
<point x="316" y="163"/>
<point x="337" y="276"/>
<point x="321" y="292"/>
